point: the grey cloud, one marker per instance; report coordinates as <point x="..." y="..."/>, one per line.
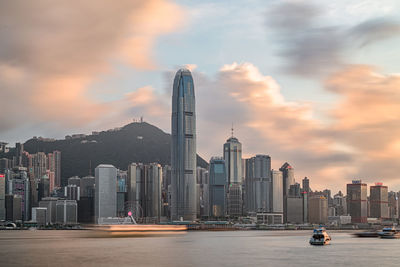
<point x="312" y="50"/>
<point x="375" y="30"/>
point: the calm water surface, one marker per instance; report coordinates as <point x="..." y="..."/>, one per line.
<point x="240" y="248"/>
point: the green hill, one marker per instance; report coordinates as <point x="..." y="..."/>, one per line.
<point x="135" y="142"/>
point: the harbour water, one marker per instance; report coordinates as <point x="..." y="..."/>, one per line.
<point x="229" y="248"/>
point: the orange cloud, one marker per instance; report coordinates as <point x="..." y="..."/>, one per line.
<point x="52" y="52"/>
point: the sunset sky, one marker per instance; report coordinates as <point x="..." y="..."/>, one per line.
<point x="316" y="84"/>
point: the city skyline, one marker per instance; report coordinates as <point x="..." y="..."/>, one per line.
<point x="330" y="108"/>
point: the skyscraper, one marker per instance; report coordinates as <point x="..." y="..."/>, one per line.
<point x="217" y="187"/>
<point x="106" y="191"/>
<point x="183" y="148"/>
<point x="318" y="210"/>
<point x="258" y="184"/>
<point x="288" y="180"/>
<point x="288" y="177"/>
<point x="57" y="167"/>
<point x="2" y="196"/>
<point x="378" y="198"/>
<point x="357" y="201"/>
<point x="276" y="192"/>
<point x="233" y="159"/>
<point x="306" y="185"/>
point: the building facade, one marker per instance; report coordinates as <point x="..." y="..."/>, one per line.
<point x="258" y="184"/>
<point x="357" y="201"/>
<point x="183" y="148"/>
<point x="106" y="191"/>
<point x="276" y="192"/>
<point x="217" y="188"/>
<point x="379" y="201"/>
<point x="233" y="159"/>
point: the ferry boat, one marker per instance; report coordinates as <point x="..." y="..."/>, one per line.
<point x="367" y="234"/>
<point x="320" y="237"/>
<point x="389" y="233"/>
<point x="129" y="228"/>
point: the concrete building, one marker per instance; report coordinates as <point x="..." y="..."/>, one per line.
<point x="217" y="187"/>
<point x="67" y="212"/>
<point x="357" y="201"/>
<point x="318" y="210"/>
<point x="20" y="185"/>
<point x="288" y="180"/>
<point x="72" y="192"/>
<point x="297" y="209"/>
<point x="13" y="205"/>
<point x="106" y="191"/>
<point x="50" y="204"/>
<point x="339" y="202"/>
<point x="393" y="205"/>
<point x="43" y="187"/>
<point x="39" y="215"/>
<point x="203" y="196"/>
<point x="258" y="184"/>
<point x="379" y="201"/>
<point x="136" y="174"/>
<point x="183" y="148"/>
<point x="87" y="188"/>
<point x="74" y="180"/>
<point x="152" y="192"/>
<point x="57" y="168"/>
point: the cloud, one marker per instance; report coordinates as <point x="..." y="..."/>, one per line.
<point x="313" y="48"/>
<point x="50" y="54"/>
<point x="361" y="139"/>
<point x="366" y="119"/>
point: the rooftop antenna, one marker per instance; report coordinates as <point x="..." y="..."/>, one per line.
<point x="232" y="130"/>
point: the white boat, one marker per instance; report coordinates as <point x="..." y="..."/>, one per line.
<point x="320" y="237"/>
<point x="389" y="232"/>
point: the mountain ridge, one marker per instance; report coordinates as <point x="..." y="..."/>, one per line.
<point x="134" y="142"/>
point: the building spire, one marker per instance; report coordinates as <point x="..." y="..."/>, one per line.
<point x="232" y="130"/>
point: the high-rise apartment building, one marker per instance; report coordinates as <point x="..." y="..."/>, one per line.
<point x="183" y="148"/>
<point x="106" y="191"/>
<point x="357" y="201"/>
<point x="378" y="198"/>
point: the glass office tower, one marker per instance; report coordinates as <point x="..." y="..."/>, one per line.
<point x="183" y="148"/>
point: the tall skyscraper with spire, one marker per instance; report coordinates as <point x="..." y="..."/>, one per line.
<point x="233" y="160"/>
<point x="183" y="148"/>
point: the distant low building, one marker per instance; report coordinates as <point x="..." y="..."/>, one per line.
<point x="67" y="212"/>
<point x="39" y="215"/>
<point x="269" y="218"/>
